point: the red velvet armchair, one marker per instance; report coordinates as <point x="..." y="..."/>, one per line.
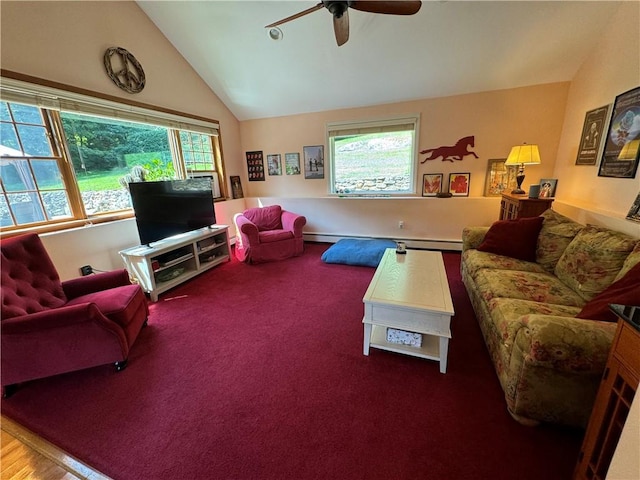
<point x="50" y="327"/>
<point x="268" y="233"/>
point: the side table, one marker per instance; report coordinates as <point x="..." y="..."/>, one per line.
<point x="613" y="401"/>
<point x="520" y="206"/>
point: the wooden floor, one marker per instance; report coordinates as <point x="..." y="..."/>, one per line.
<point x="24" y="455"/>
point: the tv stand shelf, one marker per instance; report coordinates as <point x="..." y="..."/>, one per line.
<point x="169" y="262"/>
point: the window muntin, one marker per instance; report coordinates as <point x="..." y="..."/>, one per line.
<point x="373" y="158"/>
<point x="197" y="152"/>
<point x="32" y="190"/>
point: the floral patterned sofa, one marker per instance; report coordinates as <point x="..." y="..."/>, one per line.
<point x="549" y="361"/>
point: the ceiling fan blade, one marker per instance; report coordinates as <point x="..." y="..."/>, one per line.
<point x="399" y="7"/>
<point x="297" y="15"/>
<point x="341" y="28"/>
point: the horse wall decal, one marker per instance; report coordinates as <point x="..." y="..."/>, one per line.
<point x="451" y="153"/>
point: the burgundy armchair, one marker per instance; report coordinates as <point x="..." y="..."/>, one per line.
<point x="268" y="233"/>
<point x="50" y="327"/>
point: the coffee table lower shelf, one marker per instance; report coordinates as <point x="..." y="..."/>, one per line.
<point x="430" y="348"/>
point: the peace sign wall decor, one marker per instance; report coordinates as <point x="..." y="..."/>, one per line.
<point x="124" y="69"/>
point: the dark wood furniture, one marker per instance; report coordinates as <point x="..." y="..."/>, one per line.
<point x="520" y="206"/>
<point x="613" y="401"/>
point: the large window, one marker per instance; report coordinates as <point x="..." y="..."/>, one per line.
<point x="66" y="158"/>
<point x="373" y="158"/>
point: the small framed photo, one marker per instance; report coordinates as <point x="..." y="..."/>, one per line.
<point x="273" y="164"/>
<point x="313" y="161"/>
<point x="255" y="166"/>
<point x="591" y="141"/>
<point x="431" y="184"/>
<point x="292" y="163"/>
<point x="548" y="187"/>
<point x="236" y="187"/>
<point x="634" y="211"/>
<point x="459" y="184"/>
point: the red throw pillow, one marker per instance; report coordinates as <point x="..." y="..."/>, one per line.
<point x="265" y="218"/>
<point x="625" y="291"/>
<point x="513" y="238"/>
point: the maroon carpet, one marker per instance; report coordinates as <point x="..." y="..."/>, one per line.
<point x="257" y="372"/>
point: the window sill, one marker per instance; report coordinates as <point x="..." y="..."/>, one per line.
<point x="57" y="227"/>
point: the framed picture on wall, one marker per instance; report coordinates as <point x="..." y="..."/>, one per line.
<point x="313" y="161"/>
<point x="593" y="131"/>
<point x="459" y="184"/>
<point x="255" y="166"/>
<point x="273" y="164"/>
<point x="236" y="186"/>
<point x="431" y="184"/>
<point x="634" y="211"/>
<point x="622" y="143"/>
<point x="292" y="163"/>
<point x="500" y="178"/>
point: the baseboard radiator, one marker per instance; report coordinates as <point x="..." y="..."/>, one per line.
<point x="416" y="243"/>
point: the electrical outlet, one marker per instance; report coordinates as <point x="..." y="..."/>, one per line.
<point x="401" y="224"/>
<point x="86" y="270"/>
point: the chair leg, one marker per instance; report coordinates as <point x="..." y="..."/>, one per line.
<point x="121" y="365"/>
<point x="9" y="390"/>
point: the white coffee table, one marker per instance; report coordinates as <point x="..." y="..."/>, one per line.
<point x="410" y="292"/>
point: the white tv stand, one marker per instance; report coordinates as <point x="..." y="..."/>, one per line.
<point x="174" y="260"/>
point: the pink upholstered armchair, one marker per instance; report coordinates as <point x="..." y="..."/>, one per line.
<point x="50" y="327"/>
<point x="269" y="233"/>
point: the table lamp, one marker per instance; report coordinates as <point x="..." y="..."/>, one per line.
<point x="522" y="155"/>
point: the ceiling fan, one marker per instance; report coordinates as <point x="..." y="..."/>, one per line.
<point x="340" y="13"/>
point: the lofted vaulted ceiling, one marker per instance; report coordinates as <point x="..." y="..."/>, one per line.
<point x="447" y="48"/>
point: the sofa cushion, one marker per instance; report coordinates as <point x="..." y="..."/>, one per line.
<point x="625" y="291"/>
<point x="632" y="260"/>
<point x="352" y="251"/>
<point x="265" y="218"/>
<point x="513" y="238"/>
<point x="269" y="236"/>
<point x="507" y="313"/>
<point x="593" y="259"/>
<point x="474" y="260"/>
<point x="534" y="287"/>
<point x="556" y="234"/>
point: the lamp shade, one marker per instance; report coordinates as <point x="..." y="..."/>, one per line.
<point x="523" y="155"/>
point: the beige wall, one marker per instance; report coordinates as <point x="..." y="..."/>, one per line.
<point x="549" y="115"/>
<point x="609" y="71"/>
<point x="498" y="120"/>
<point x="65" y="42"/>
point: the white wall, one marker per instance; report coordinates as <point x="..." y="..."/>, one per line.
<point x="98" y="245"/>
<point x="428" y="222"/>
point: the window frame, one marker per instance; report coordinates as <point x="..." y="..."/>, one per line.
<point x="378" y="125"/>
<point x="52" y="97"/>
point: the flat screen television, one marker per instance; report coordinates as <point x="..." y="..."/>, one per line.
<point x="171" y="207"/>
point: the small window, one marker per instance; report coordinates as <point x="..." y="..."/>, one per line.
<point x="373" y="158"/>
<point x="32" y="187"/>
<point x="197" y="152"/>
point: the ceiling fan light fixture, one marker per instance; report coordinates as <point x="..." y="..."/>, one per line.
<point x="274" y="33"/>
